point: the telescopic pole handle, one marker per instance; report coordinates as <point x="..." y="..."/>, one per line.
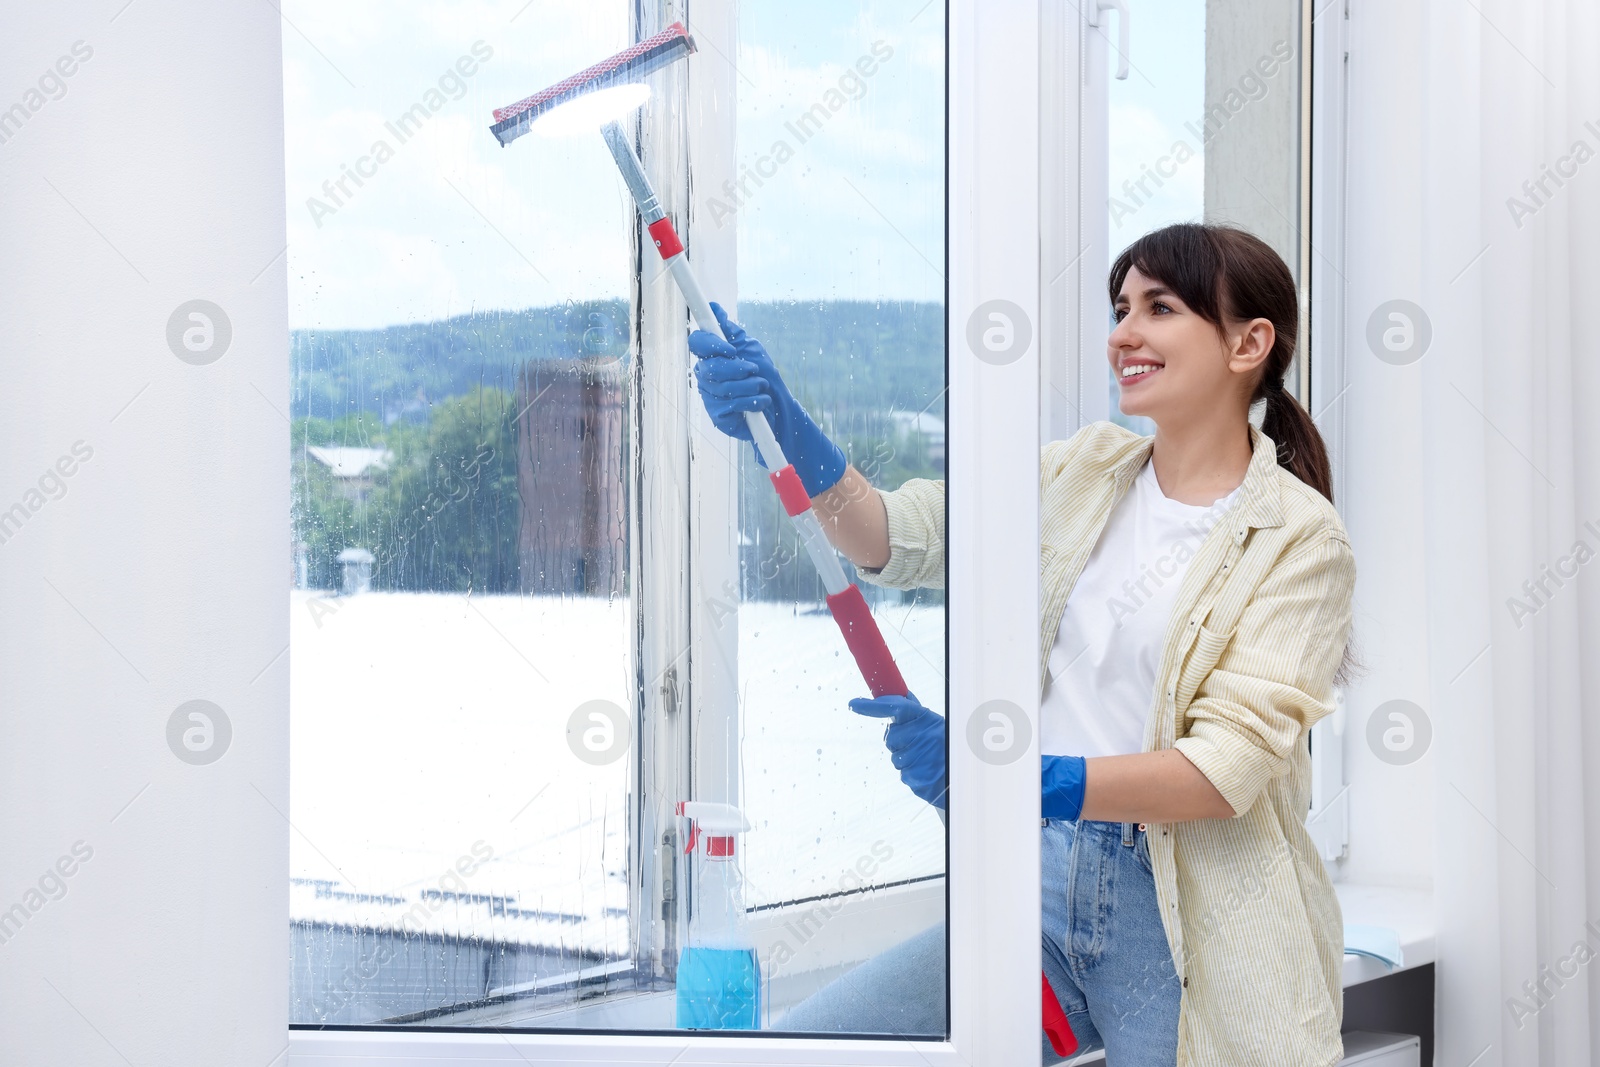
<point x="845" y="602"/>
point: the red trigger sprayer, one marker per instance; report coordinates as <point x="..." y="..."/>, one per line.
<point x="719" y="975"/>
<point x="845" y="602"/>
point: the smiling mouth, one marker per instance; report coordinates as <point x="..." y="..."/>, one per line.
<point x="1138" y="372"/>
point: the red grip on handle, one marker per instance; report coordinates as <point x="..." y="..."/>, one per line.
<point x="791" y="491"/>
<point x="861" y="633"/>
<point x="1056" y="1027"/>
<point x="665" y="238"/>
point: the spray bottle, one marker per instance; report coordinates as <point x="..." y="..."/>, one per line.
<point x="719" y="976"/>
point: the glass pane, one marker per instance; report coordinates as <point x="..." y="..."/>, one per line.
<point x="840" y="215"/>
<point x="1206" y="127"/>
<point x="460" y="361"/>
<point x="466" y="795"/>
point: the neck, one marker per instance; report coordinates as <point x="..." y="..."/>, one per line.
<point x="1201" y="462"/>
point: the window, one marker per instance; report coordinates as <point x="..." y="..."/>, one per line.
<point x="1187" y="111"/>
<point x="460" y="363"/>
<point x="518" y="556"/>
<point x="838" y="205"/>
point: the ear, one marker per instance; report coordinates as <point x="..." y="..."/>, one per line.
<point x="1251" y="345"/>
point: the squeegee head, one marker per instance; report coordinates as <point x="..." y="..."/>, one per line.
<point x="629" y="65"/>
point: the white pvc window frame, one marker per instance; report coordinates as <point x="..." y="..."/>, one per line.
<point x="1074" y="227"/>
<point x="992" y="594"/>
<point x="1326" y="381"/>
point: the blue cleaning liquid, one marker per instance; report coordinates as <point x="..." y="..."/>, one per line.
<point x="718" y="989"/>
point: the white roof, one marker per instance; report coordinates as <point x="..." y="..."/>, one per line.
<point x="347" y="462"/>
<point x="433" y="788"/>
<point x="921" y="422"/>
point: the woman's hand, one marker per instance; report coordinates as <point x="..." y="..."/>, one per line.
<point x="743" y="378"/>
<point x="1062" y="782"/>
<point x="915" y="739"/>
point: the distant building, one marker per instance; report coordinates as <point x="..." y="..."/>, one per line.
<point x="357" y="564"/>
<point x="352" y="468"/>
<point x="572" y="537"/>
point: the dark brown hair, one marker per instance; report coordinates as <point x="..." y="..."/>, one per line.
<point x="1227" y="274"/>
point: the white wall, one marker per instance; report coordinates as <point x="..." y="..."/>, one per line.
<point x="160" y="575"/>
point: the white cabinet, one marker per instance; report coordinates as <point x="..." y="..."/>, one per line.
<point x="1372" y="1049"/>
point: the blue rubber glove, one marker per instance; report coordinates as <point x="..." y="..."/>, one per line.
<point x="745" y="379"/>
<point x="915" y="739"/>
<point x="1062" y="786"/>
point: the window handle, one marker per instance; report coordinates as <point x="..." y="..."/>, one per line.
<point x="1096" y="9"/>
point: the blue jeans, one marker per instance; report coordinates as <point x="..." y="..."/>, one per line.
<point x="1104" y="952"/>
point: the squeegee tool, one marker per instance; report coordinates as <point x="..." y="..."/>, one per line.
<point x="626" y="67"/>
<point x="845" y="602"/>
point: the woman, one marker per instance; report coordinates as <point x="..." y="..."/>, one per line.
<point x="1195" y="613"/>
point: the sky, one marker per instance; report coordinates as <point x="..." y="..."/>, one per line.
<point x="444" y="221"/>
<point x="1165" y="89"/>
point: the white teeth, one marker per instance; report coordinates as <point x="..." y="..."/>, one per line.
<point x="1138" y="368"/>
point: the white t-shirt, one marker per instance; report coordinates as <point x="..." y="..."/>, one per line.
<point x="1102" y="667"/>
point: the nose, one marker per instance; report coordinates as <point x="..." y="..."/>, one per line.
<point x="1122" y="336"/>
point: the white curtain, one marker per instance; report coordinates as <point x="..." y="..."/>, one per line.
<point x="1507" y="243"/>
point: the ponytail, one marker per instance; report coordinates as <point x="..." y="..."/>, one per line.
<point x="1300" y="448"/>
<point x="1302" y="453"/>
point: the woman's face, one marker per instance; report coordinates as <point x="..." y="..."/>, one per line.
<point x="1170" y="363"/>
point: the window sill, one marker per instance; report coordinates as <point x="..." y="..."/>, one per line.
<point x="1408" y="911"/>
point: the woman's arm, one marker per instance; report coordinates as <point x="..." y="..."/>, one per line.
<point x="1160" y="786"/>
<point x="1252" y="707"/>
<point x="854" y="518"/>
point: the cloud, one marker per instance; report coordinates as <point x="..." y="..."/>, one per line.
<point x="453" y="221"/>
<point x="858" y="213"/>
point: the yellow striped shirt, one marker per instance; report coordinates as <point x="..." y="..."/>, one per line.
<point x="1247" y="667"/>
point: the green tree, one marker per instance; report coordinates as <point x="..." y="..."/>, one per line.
<point x="447" y="509"/>
<point x="442" y="515"/>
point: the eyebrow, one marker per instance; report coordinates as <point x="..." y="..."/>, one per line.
<point x="1149" y="294"/>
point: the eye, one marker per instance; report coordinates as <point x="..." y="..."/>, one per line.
<point x="1160" y="306"/>
<point x="1118" y="314"/>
